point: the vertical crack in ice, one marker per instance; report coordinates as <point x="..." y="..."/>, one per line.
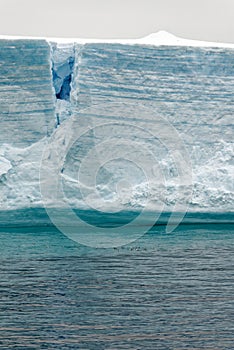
<point x="62" y="65"/>
<point x="62" y="76"/>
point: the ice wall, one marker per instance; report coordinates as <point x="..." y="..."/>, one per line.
<point x="50" y="91"/>
<point x="27" y="118"/>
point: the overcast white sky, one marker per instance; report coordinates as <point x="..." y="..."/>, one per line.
<point x="211" y="20"/>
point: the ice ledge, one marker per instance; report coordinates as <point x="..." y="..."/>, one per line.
<point x="156" y="39"/>
<point x="38" y="217"/>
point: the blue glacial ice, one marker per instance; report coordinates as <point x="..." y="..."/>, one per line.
<point x="113" y="125"/>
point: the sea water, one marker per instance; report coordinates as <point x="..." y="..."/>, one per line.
<point x="164" y="291"/>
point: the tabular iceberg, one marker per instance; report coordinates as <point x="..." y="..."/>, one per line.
<point x="115" y="126"/>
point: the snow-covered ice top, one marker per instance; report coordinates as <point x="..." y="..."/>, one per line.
<point x="159" y="38"/>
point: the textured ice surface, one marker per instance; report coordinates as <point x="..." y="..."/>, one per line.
<point x="26" y="98"/>
<point x="117" y="93"/>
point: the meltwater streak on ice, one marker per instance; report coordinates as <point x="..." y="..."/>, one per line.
<point x="188" y="84"/>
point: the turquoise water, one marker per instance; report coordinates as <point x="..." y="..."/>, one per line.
<point x="162" y="292"/>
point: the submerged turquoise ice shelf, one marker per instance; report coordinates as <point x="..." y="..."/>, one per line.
<point x="38" y="217"/>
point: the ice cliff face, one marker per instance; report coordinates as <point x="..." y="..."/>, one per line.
<point x="113" y="126"/>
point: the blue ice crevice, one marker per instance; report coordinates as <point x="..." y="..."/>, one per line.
<point x="62" y="65"/>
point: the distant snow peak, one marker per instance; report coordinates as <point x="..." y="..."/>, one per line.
<point x="161" y="35"/>
<point x="165" y="38"/>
